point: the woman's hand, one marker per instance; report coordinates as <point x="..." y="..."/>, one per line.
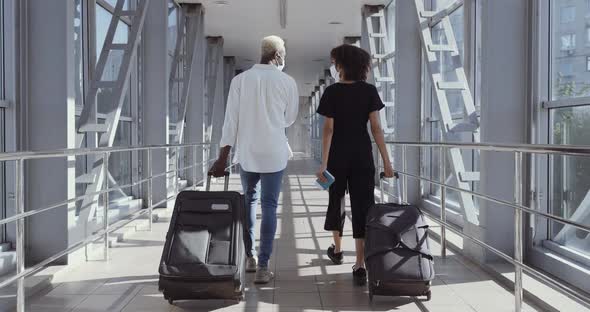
<point x="320" y="174"/>
<point x="388" y="170"/>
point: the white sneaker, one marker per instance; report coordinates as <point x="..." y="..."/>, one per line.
<point x="263" y="276"/>
<point x="250" y="264"/>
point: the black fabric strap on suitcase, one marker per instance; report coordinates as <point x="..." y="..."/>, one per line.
<point x="404" y="247"/>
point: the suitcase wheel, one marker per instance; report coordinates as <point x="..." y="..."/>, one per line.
<point x="170" y="300"/>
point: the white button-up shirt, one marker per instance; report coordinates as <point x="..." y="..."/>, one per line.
<point x="262" y="103"/>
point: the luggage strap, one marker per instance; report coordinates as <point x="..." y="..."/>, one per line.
<point x="401" y="245"/>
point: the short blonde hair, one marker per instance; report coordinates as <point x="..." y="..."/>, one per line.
<point x="272" y="45"/>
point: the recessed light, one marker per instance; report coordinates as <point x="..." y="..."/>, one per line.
<point x="335" y="23"/>
<point x="221" y="2"/>
<point x="318" y="60"/>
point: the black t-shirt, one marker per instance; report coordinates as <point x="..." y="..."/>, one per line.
<point x="350" y="105"/>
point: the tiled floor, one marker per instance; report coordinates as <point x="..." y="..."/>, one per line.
<point x="305" y="278"/>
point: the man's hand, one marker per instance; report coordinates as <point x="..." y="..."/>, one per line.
<point x="218" y="168"/>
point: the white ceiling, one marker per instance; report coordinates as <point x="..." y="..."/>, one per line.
<point x="309" y="36"/>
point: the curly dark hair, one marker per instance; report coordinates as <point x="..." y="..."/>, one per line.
<point x="353" y="60"/>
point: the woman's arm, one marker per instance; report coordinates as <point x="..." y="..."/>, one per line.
<point x="380" y="140"/>
<point x="326" y="143"/>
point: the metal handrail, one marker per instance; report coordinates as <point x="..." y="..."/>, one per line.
<point x="567" y="150"/>
<point x="104" y="152"/>
<point x="518" y="206"/>
<point x="90" y="151"/>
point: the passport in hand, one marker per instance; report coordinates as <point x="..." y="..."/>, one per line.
<point x="325" y="185"/>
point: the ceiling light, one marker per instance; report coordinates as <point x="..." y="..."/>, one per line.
<point x="335" y="23"/>
<point x="221" y="2"/>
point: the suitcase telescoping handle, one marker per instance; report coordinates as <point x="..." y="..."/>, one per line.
<point x="397" y="185"/>
<point x="225" y="184"/>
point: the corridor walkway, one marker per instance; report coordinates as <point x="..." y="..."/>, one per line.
<point x="305" y="278"/>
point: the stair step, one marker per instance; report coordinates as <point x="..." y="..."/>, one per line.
<point x="380" y="56"/>
<point x="385" y="79"/>
<point x="128" y="13"/>
<point x="7" y="262"/>
<point x="4" y="247"/>
<point x="87" y="178"/>
<point x="451" y="85"/>
<point x="463" y="127"/>
<point x="118" y="46"/>
<point x="440" y="48"/>
<point x="93" y="128"/>
<point x="427" y="14"/>
<point x="106" y="84"/>
<point x="469" y="176"/>
<point x="377" y="35"/>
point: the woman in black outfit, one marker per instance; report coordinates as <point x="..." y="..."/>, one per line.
<point x="347" y="150"/>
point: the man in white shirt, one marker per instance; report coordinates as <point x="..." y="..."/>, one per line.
<point x="262" y="103"/>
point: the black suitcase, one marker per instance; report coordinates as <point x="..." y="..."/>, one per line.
<point x="204" y="254"/>
<point x="398" y="260"/>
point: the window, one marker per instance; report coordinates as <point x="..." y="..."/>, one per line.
<point x="570" y="177"/>
<point x="91" y="25"/>
<point x="3" y="212"/>
<point x="433" y="130"/>
<point x="568" y="14"/>
<point x="588" y="34"/>
<point x="566" y="122"/>
<point x="568" y="42"/>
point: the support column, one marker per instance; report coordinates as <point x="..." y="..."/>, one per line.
<point x="215" y="88"/>
<point x="49" y="123"/>
<point x="506" y="108"/>
<point x="194" y="132"/>
<point x="156" y="64"/>
<point x="229" y="72"/>
<point x="408" y="94"/>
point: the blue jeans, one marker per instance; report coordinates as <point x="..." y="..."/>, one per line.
<point x="267" y="186"/>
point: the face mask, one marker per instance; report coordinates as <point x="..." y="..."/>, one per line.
<point x="334" y="72"/>
<point x="279" y="65"/>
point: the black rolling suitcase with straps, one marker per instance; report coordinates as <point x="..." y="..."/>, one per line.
<point x="204" y="254"/>
<point x="398" y="260"/>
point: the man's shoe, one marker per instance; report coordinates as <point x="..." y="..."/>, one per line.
<point x="263" y="276"/>
<point x="250" y="264"/>
<point x="335" y="257"/>
<point x="359" y="276"/>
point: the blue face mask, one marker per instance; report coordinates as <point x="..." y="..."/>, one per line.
<point x="334" y="72"/>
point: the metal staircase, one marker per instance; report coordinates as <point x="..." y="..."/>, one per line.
<point x="89" y="130"/>
<point x="434" y="54"/>
<point x="382" y="67"/>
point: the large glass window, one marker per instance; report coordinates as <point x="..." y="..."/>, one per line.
<point x="570" y="176"/>
<point x="568" y="120"/>
<point x="89" y="43"/>
<point x="2" y="125"/>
